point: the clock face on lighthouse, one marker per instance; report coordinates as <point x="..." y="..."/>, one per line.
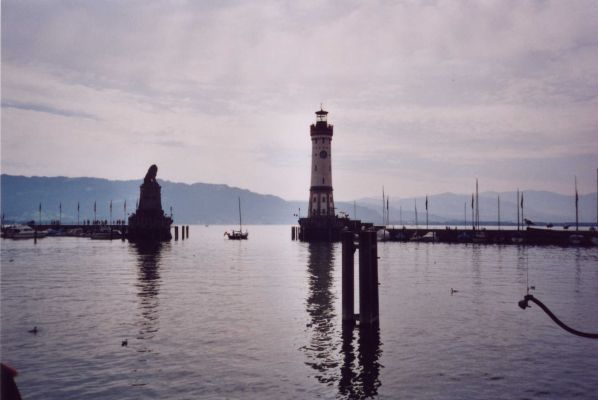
<point x="323" y="154"/>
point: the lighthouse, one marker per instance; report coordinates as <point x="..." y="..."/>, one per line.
<point x="321" y="223"/>
<point x="321" y="201"/>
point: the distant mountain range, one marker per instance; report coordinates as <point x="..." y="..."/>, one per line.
<point x="202" y="203"/>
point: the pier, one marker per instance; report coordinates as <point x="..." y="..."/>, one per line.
<point x="117" y="231"/>
<point x="528" y="236"/>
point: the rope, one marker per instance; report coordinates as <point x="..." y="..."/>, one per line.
<point x="524" y="304"/>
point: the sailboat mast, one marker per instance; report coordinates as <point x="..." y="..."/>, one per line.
<point x="383" y="211"/>
<point x="387" y="210"/>
<point x="416" y="224"/>
<point x="517" y="206"/>
<point x="240" y="224"/>
<point x="499" y="212"/>
<point x="477" y="205"/>
<point x="426" y="211"/>
<point x="472" y="216"/>
<point x="576" y="206"/>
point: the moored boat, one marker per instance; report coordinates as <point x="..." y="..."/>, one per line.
<point x="106" y="233"/>
<point x="22" y="232"/>
<point x="238" y="235"/>
<point x="428" y="237"/>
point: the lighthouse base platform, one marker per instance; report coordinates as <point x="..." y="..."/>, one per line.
<point x="327" y="228"/>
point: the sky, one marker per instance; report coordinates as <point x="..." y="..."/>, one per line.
<point x="424" y="96"/>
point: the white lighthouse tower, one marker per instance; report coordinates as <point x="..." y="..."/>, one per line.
<point x="321" y="202"/>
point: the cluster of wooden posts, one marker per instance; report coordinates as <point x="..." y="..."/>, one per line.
<point x="368" y="277"/>
<point x="294" y="232"/>
<point x="184" y="232"/>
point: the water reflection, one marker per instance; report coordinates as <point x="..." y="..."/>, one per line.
<point x="322" y="348"/>
<point x="148" y="286"/>
<point x="346" y="357"/>
<point x="360" y="379"/>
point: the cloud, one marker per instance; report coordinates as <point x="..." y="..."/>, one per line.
<point x="438" y="86"/>
<point x="45" y="109"/>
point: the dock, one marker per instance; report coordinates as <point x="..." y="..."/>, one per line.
<point x="528" y="236"/>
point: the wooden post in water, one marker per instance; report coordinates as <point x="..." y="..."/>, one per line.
<point x="176" y="233"/>
<point x="348" y="278"/>
<point x="368" y="278"/>
<point x="182" y="232"/>
<point x="187" y="231"/>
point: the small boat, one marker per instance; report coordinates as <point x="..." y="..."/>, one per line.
<point x="22" y="232"/>
<point x="77" y="232"/>
<point x="383" y="235"/>
<point x="56" y="232"/>
<point x="238" y="235"/>
<point x="105" y="233"/>
<point x="428" y="237"/>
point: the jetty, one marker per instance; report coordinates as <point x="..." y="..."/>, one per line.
<point x="528" y="236"/>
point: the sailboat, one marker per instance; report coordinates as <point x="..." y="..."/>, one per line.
<point x="238" y="235"/>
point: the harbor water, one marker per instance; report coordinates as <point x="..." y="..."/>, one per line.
<point x="212" y="318"/>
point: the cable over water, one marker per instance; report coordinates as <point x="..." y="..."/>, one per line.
<point x="524" y="304"/>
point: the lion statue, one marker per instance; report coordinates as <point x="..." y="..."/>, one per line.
<point x="150" y="177"/>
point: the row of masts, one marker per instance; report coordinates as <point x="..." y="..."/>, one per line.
<point x="95" y="214"/>
<point x="475" y="209"/>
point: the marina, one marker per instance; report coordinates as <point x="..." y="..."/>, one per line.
<point x="528" y="236"/>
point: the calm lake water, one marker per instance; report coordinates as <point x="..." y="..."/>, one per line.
<point x="213" y="318"/>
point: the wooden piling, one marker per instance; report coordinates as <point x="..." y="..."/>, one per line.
<point x="187" y="231"/>
<point x="176" y="233"/>
<point x="348" y="278"/>
<point x="374" y="276"/>
<point x="368" y="278"/>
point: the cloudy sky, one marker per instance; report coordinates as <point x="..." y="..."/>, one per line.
<point x="424" y="96"/>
